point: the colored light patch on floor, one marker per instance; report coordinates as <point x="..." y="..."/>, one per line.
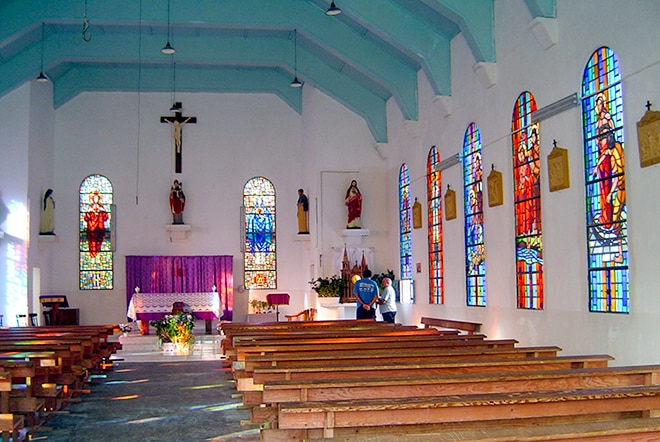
<point x="124" y="398"/>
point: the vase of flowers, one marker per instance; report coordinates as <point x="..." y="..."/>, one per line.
<point x="125" y="329"/>
<point x="261" y="307"/>
<point x="176" y="330"/>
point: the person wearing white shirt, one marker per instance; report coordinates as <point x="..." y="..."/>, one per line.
<point x="387" y="301"/>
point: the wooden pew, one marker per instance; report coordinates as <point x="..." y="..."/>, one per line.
<point x="440" y="367"/>
<point x="10" y="424"/>
<point x="471" y="350"/>
<point x="293" y="335"/>
<point x="471" y="410"/>
<point x="367" y="343"/>
<point x="612" y="430"/>
<point x="381" y="385"/>
<point x="468" y="327"/>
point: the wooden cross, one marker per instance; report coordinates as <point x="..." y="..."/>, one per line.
<point x="648" y="105"/>
<point x="177" y="122"/>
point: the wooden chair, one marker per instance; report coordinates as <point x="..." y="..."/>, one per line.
<point x="178" y="307"/>
<point x="305" y="315"/>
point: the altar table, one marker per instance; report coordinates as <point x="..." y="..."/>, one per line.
<point x="152" y="306"/>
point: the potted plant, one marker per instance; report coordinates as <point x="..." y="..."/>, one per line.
<point x="261" y="307"/>
<point x="328" y="287"/>
<point x="176" y="329"/>
<point x="379" y="278"/>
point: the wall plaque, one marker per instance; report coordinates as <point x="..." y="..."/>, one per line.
<point x="450" y="204"/>
<point x="648" y="135"/>
<point x="558" y="177"/>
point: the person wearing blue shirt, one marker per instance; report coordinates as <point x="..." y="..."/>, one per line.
<point x="367" y="293"/>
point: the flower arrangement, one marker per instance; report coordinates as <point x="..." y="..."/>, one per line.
<point x="261" y="307"/>
<point x="125" y="328"/>
<point x="328" y="287"/>
<point x="177" y="329"/>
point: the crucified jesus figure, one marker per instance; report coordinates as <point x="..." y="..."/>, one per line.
<point x="176" y="132"/>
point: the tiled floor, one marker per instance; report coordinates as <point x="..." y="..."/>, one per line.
<point x="151" y="396"/>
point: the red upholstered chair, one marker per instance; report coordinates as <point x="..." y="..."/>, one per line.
<point x="278" y="299"/>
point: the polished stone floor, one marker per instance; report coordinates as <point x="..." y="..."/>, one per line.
<point x="149" y="396"/>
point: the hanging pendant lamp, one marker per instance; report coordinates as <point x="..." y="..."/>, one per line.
<point x="168" y="49"/>
<point x="295" y="83"/>
<point x="41" y="78"/>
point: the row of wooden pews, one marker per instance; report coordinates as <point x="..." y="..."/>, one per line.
<point x="42" y="369"/>
<point x="370" y="381"/>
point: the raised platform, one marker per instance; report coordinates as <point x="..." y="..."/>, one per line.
<point x="139" y="348"/>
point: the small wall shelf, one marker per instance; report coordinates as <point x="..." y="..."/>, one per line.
<point x="354" y="236"/>
<point x="46" y="239"/>
<point x="178" y="231"/>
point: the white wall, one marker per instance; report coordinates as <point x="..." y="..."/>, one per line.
<point x="237" y="137"/>
<point x="550" y="75"/>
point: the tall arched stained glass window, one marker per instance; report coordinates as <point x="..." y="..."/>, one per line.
<point x="95" y="237"/>
<point x="475" y="254"/>
<point x="527" y="203"/>
<point x="260" y="259"/>
<point x="405" y="223"/>
<point x="434" y="206"/>
<point x="607" y="224"/>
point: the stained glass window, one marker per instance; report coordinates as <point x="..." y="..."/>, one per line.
<point x="95" y="239"/>
<point x="607" y="224"/>
<point x="434" y="206"/>
<point x="260" y="259"/>
<point x="527" y="203"/>
<point x="405" y="223"/>
<point x="475" y="253"/>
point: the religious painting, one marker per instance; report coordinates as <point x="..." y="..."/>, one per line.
<point x="526" y="152"/>
<point x="475" y="250"/>
<point x="95" y="237"/>
<point x="405" y="223"/>
<point x="605" y="189"/>
<point x="558" y="176"/>
<point x="434" y="227"/>
<point x="648" y="135"/>
<point x="260" y="257"/>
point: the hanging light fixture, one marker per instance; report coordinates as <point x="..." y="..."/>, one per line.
<point x="41" y="78"/>
<point x="295" y="83"/>
<point x="168" y="49"/>
<point x="333" y="10"/>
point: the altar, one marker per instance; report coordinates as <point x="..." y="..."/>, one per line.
<point x="152" y="306"/>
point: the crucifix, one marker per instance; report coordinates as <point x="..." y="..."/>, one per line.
<point x="177" y="122"/>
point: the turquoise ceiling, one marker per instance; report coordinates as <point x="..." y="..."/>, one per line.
<point x="361" y="58"/>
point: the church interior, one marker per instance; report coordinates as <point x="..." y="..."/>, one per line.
<point x="396" y="95"/>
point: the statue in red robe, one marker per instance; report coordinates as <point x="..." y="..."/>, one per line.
<point x="177" y="202"/>
<point x="353" y="200"/>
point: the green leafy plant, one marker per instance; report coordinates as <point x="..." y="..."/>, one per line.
<point x="379" y="277"/>
<point x="328" y="287"/>
<point x="177" y="329"/>
<point x="261" y="307"/>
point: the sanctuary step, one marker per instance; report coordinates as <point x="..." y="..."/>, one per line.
<point x="138" y="348"/>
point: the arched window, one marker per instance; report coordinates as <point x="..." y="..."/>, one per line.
<point x="525" y="139"/>
<point x="405" y="223"/>
<point x="434" y="206"/>
<point x="96" y="233"/>
<point x="475" y="254"/>
<point x="607" y="225"/>
<point x="260" y="259"/>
